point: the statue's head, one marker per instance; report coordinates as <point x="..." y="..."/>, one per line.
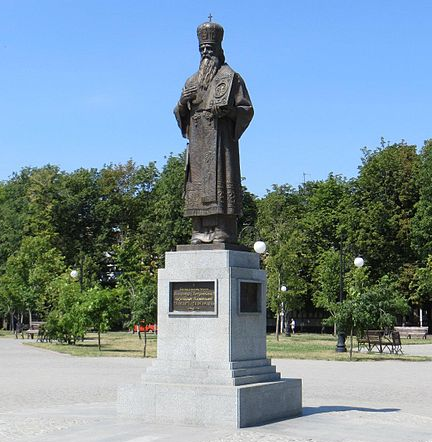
<point x="210" y="32"/>
<point x="210" y="37"/>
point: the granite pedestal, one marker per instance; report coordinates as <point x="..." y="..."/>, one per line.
<point x="211" y="366"/>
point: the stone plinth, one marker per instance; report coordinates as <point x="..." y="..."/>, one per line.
<point x="211" y="366"/>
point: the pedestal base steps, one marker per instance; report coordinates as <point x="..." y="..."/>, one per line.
<point x="211" y="367"/>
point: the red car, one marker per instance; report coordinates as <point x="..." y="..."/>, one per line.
<point x="152" y="328"/>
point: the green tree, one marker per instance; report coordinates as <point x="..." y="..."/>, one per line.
<point x="101" y="307"/>
<point x="75" y="218"/>
<point x="247" y="230"/>
<point x="325" y="225"/>
<point x="374" y="306"/>
<point x="422" y="222"/>
<point x="28" y="274"/>
<point x="43" y="195"/>
<point x="421" y="285"/>
<point x="382" y="208"/>
<point x="326" y="205"/>
<point x="327" y="275"/>
<point x="68" y="320"/>
<point x="279" y="213"/>
<point x="166" y="223"/>
<point x="144" y="308"/>
<point x="13" y="213"/>
<point x="125" y="196"/>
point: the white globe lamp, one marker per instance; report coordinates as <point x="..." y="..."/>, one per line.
<point x="359" y="262"/>
<point x="260" y="247"/>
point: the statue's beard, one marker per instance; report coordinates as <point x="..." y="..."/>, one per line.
<point x="207" y="70"/>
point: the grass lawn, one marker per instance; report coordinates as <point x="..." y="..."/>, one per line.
<point x="114" y="344"/>
<point x="322" y="346"/>
<point x="298" y="346"/>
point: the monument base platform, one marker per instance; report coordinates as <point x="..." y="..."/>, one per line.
<point x="212" y="405"/>
<point x="211" y="366"/>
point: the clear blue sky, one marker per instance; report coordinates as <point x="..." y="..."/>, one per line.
<point x="85" y="83"/>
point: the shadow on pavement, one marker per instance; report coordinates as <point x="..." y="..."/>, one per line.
<point x="307" y="411"/>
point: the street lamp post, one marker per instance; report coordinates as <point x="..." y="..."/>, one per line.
<point x="260" y="247"/>
<point x="341" y="347"/>
<point x="75" y="274"/>
<point x="358" y="262"/>
<point x="285" y="314"/>
<point x="282" y="314"/>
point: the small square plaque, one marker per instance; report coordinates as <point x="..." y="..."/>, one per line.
<point x="250" y="297"/>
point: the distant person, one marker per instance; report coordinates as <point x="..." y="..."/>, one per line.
<point x="19" y="328"/>
<point x="293" y="325"/>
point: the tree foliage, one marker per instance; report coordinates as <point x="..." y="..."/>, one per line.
<point x="383" y="206"/>
<point x="67" y="321"/>
<point x="327" y="275"/>
<point x="422" y="222"/>
<point x="114" y="225"/>
<point x="101" y="308"/>
<point x="369" y="306"/>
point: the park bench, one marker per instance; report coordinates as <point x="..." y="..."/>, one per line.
<point x="371" y="339"/>
<point x="377" y="339"/>
<point x="412" y="332"/>
<point x="34" y="330"/>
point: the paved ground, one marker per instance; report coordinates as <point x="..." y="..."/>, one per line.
<point x="53" y="397"/>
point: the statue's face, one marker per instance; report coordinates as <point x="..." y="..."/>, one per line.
<point x="208" y="50"/>
<point x="209" y="64"/>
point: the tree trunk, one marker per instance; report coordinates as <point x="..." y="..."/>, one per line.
<point x="99" y="341"/>
<point x="277" y="326"/>
<point x="30" y="318"/>
<point x="145" y="343"/>
<point x="351" y="343"/>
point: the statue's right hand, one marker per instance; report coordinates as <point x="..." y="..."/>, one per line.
<point x="188" y="94"/>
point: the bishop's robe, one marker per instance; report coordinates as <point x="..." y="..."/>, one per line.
<point x="213" y="180"/>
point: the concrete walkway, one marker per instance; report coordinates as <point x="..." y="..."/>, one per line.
<point x="53" y="397"/>
<point x="418" y="350"/>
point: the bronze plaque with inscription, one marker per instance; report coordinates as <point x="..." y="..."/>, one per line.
<point x="196" y="296"/>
